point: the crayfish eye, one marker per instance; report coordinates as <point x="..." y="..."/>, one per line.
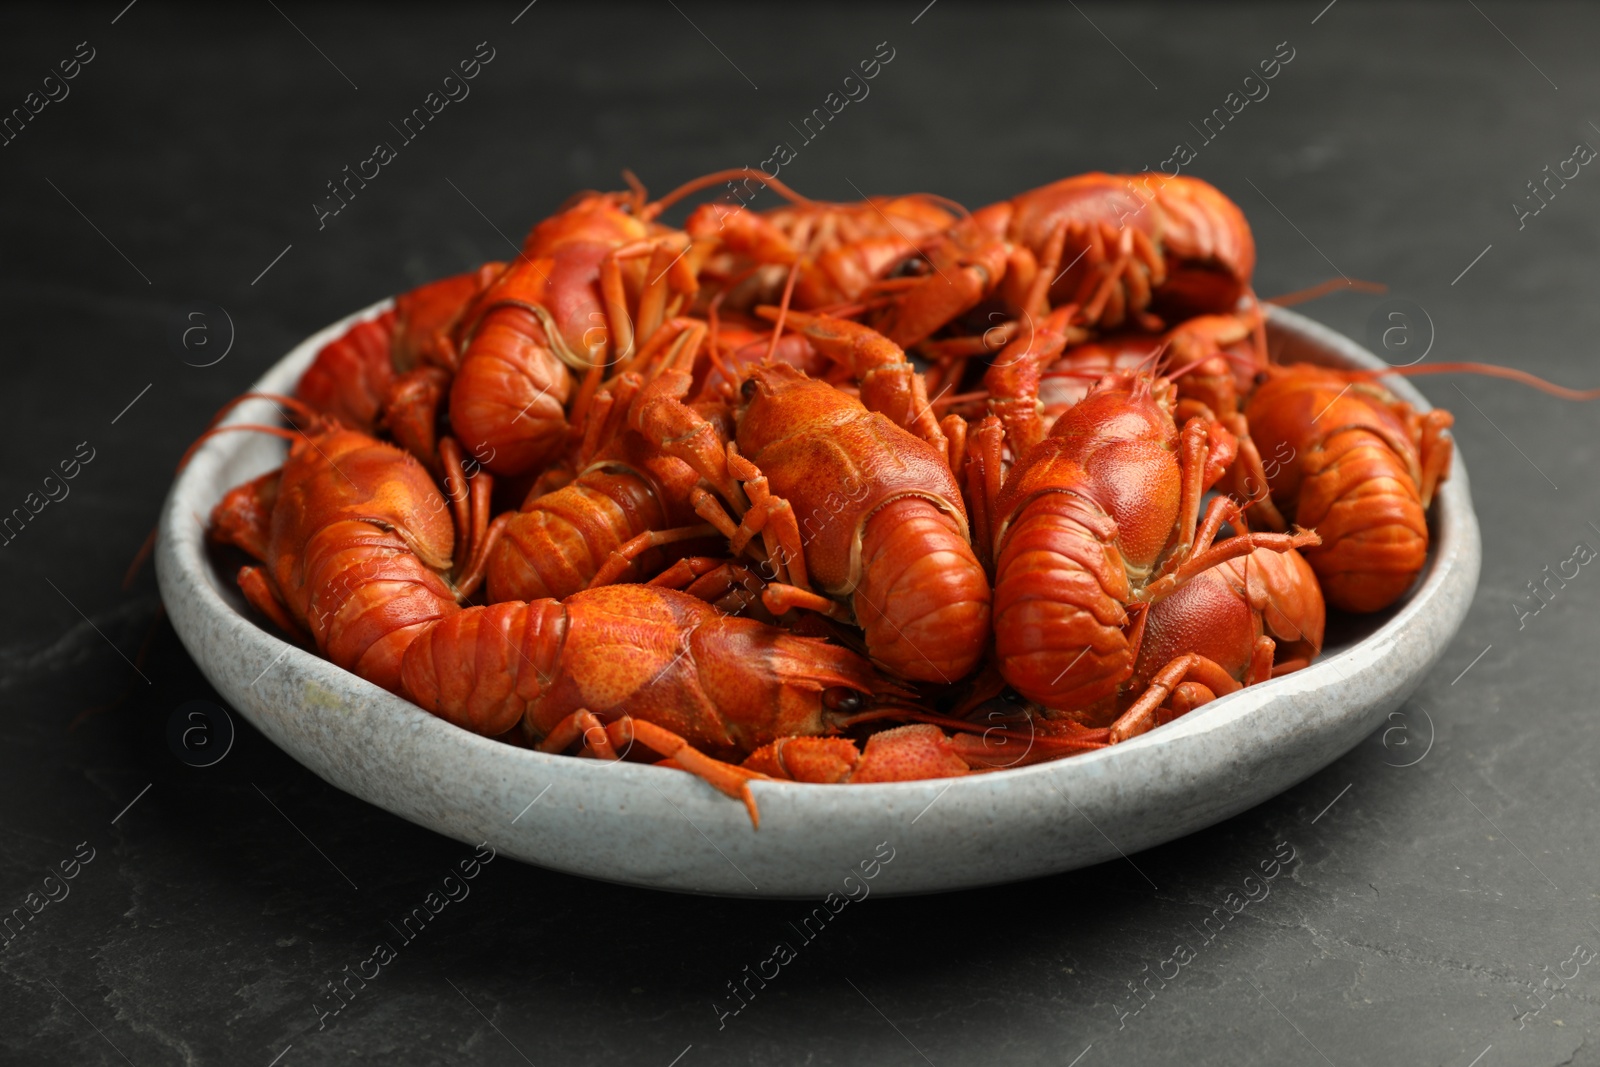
<point x="748" y="389"/>
<point x="839" y="698"/>
<point x="1261" y="378"/>
<point x="910" y="267"/>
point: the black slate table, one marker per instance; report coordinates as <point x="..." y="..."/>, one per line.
<point x="1440" y="904"/>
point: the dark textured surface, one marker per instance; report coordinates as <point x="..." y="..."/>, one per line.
<point x="1426" y="907"/>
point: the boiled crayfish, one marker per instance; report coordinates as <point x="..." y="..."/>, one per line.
<point x="737" y="536"/>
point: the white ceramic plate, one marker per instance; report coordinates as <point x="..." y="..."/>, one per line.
<point x="649" y="826"/>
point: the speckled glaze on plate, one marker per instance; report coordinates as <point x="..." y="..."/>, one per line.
<point x="655" y="827"/>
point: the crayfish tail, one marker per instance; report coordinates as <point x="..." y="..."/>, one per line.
<point x="482" y="667"/>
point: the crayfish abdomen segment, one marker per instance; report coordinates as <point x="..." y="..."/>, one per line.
<point x="507" y="403"/>
<point x="555" y="547"/>
<point x="1059" y="618"/>
<point x="352" y="374"/>
<point x="1365" y="504"/>
<point x="923" y="598"/>
<point x="481" y="668"/>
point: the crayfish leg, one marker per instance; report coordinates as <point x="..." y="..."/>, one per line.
<point x="455" y="482"/>
<point x="909" y="753"/>
<point x="1289" y="666"/>
<point x="728" y="586"/>
<point x="411" y="412"/>
<point x="1192" y="465"/>
<point x="1185" y="698"/>
<point x="1436" y="450"/>
<point x="259" y="591"/>
<point x="955" y="432"/>
<point x="1202" y="556"/>
<point x="243" y="518"/>
<point x="684" y="573"/>
<point x="820" y="760"/>
<point x="772" y="517"/>
<point x="471" y="574"/>
<point x="615" y="740"/>
<point x="724" y="777"/>
<point x="1261" y="655"/>
<point x="780" y="598"/>
<point x="586" y="726"/>
<point x="621" y="560"/>
<point x="1035" y="294"/>
<point x="985" y="475"/>
<point x="1191" y="666"/>
<point x="1251" y="471"/>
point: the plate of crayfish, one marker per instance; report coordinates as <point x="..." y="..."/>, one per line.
<point x="715" y="556"/>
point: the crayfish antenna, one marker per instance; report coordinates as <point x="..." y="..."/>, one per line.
<point x="705" y="181"/>
<point x="1322" y="289"/>
<point x="300" y="407"/>
<point x="1488" y="370"/>
<point x="944" y="201"/>
<point x="783" y="310"/>
<point x="306" y="412"/>
<point x="640" y="194"/>
<point x="274" y="431"/>
<point x="1181" y="371"/>
<point x="292" y="403"/>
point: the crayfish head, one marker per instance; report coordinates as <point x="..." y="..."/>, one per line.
<point x="768" y="683"/>
<point x="833" y="684"/>
<point x="766" y="380"/>
<point x="1123" y="405"/>
<point x="605" y="218"/>
<point x="742" y="683"/>
<point x="779" y="400"/>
